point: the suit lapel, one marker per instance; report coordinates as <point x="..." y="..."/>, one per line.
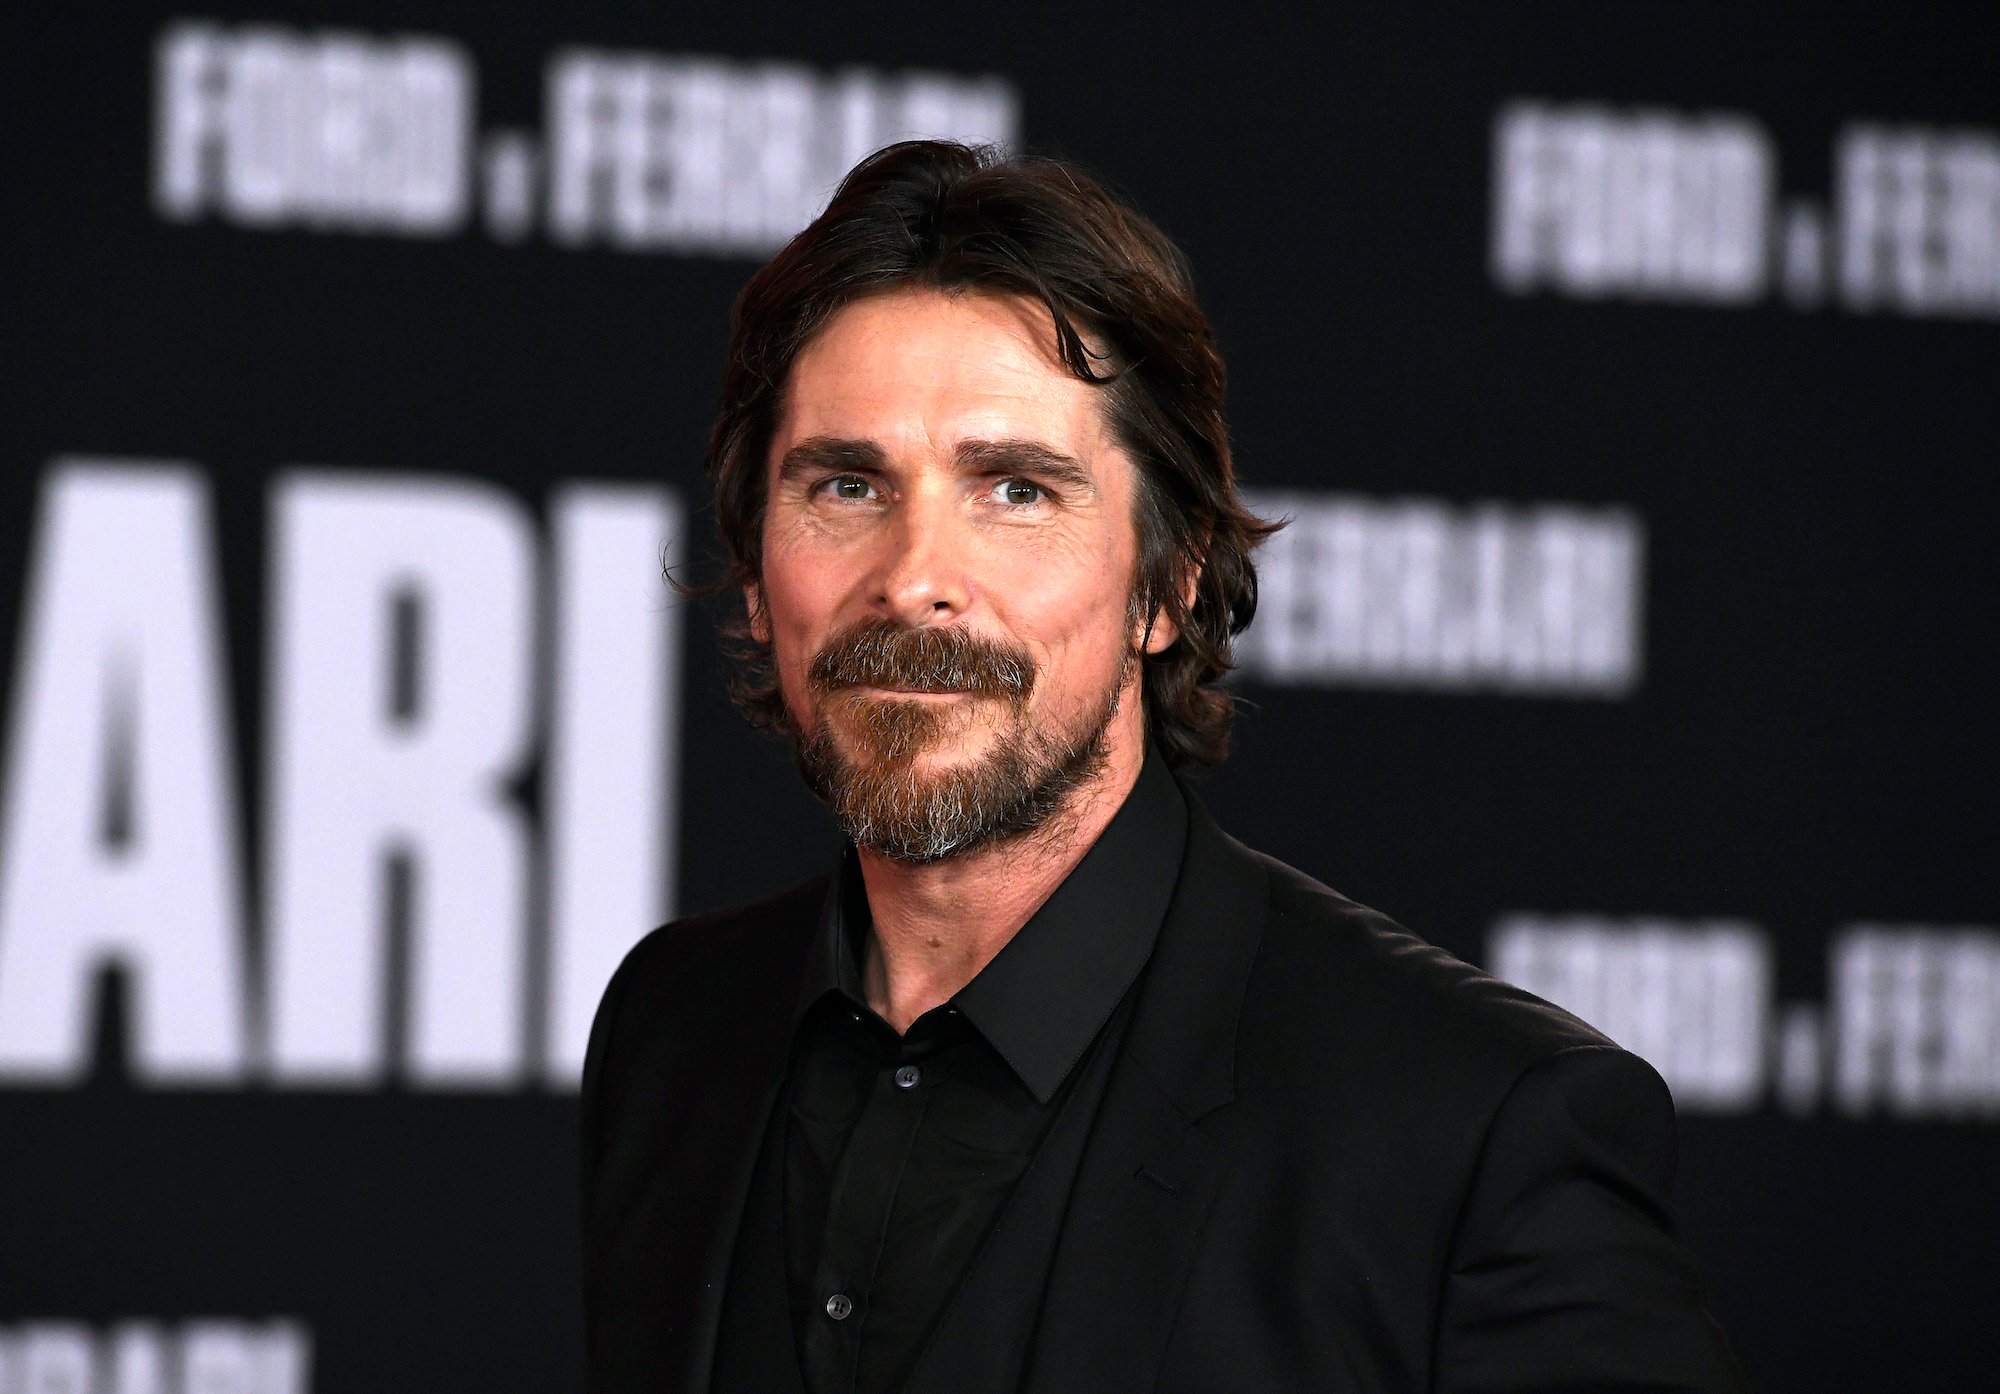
<point x="1144" y="1190"/>
<point x="680" y="1179"/>
<point x="1150" y="1175"/>
<point x="755" y="1347"/>
<point x="734" y="1145"/>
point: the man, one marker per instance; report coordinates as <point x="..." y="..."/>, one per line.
<point x="1050" y="1085"/>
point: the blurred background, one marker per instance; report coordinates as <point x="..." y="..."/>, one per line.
<point x="1629" y="374"/>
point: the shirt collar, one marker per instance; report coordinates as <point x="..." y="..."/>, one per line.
<point x="1048" y="992"/>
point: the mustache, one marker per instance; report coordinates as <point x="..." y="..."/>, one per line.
<point x="881" y="653"/>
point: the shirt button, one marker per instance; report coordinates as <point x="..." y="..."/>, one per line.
<point x="907" y="1077"/>
<point x="839" y="1306"/>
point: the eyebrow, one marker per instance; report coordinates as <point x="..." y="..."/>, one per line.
<point x="1024" y="457"/>
<point x="832" y="453"/>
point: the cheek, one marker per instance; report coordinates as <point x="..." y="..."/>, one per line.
<point x="801" y="595"/>
<point x="1069" y="602"/>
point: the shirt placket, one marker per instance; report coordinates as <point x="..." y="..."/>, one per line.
<point x="865" y="1186"/>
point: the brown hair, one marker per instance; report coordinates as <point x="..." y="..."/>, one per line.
<point x="950" y="217"/>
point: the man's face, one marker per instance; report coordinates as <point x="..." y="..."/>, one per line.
<point x="949" y="561"/>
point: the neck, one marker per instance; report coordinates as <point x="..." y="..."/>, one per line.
<point x="937" y="924"/>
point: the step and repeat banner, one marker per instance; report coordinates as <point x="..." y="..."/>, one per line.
<point x="1628" y="377"/>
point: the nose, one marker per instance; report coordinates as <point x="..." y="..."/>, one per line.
<point x="923" y="578"/>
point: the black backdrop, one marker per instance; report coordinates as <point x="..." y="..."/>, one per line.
<point x="1769" y="830"/>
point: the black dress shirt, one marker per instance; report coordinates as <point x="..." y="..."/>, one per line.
<point x="901" y="1152"/>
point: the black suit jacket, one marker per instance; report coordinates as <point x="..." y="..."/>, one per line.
<point x="1328" y="1157"/>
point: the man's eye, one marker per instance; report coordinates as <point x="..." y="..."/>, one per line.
<point x="1018" y="493"/>
<point x="848" y="486"/>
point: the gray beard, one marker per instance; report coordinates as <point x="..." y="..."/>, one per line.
<point x="1017" y="788"/>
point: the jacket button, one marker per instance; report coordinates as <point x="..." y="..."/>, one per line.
<point x="907" y="1077"/>
<point x="838" y="1306"/>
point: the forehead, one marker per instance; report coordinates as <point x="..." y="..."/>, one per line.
<point x="917" y="365"/>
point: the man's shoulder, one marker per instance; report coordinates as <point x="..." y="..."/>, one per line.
<point x="697" y="973"/>
<point x="1335" y="978"/>
<point x="695" y="949"/>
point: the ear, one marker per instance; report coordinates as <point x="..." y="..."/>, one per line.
<point x="760" y="622"/>
<point x="1160" y="631"/>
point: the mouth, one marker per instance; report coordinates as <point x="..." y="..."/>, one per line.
<point x="913" y="694"/>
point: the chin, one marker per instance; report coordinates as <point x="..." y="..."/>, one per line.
<point x="959" y="752"/>
<point x="926" y="738"/>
